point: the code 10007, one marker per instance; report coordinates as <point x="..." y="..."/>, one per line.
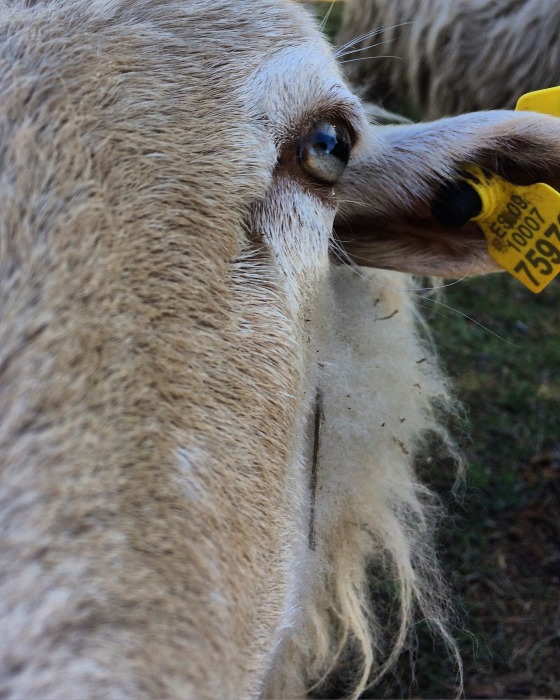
<point x="516" y="227"/>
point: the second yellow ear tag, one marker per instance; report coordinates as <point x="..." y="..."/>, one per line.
<point x="521" y="225"/>
<point x="543" y="101"/>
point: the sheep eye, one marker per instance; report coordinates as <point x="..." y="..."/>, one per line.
<point x="324" y="152"/>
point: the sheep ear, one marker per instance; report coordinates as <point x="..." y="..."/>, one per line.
<point x="385" y="217"/>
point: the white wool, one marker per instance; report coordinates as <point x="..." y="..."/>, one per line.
<point x="382" y="398"/>
<point x="442" y="57"/>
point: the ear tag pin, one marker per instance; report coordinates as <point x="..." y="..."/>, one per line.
<point x="521" y="223"/>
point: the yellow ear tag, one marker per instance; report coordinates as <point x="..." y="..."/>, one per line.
<point x="543" y="101"/>
<point x="522" y="223"/>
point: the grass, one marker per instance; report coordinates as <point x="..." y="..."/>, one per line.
<point x="330" y="11"/>
<point x="501" y="545"/>
<point x="502" y="551"/>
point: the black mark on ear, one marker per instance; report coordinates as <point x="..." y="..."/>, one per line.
<point x="456" y="202"/>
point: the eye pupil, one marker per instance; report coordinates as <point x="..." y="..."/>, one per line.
<point x="324" y="152"/>
<point x="326" y="142"/>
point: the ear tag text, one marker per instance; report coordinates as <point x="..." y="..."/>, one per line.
<point x="521" y="225"/>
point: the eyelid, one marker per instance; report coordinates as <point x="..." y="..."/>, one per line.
<point x="348" y="115"/>
<point x="336" y="118"/>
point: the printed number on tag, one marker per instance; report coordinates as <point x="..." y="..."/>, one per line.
<point x="523" y="235"/>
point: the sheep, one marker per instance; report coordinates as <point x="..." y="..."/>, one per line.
<point x="436" y="58"/>
<point x="212" y="396"/>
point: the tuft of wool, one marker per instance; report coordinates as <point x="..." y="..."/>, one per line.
<point x="382" y="399"/>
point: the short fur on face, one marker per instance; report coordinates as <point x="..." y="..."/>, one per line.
<point x="208" y="428"/>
